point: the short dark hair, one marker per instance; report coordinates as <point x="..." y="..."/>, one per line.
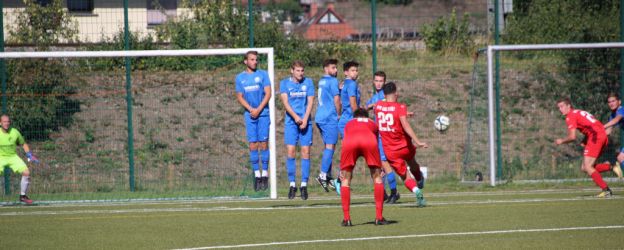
<point x="613" y="94"/>
<point x="251" y="52"/>
<point x="346" y="66"/>
<point x="328" y="62"/>
<point x="565" y="100"/>
<point x="389" y="88"/>
<point x="360" y="112"/>
<point x="380" y="73"/>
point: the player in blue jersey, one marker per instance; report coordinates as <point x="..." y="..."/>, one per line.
<point x="349" y="95"/>
<point x="253" y="91"/>
<point x="297" y="94"/>
<point x="326" y="118"/>
<point x="615" y="119"/>
<point x="379" y="80"/>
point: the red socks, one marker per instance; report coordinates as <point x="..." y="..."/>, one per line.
<point x="598" y="180"/>
<point x="603" y="167"/>
<point x="379" y="199"/>
<point x="410" y="184"/>
<point x="345" y="196"/>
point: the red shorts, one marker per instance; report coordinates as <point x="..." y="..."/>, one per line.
<point x="398" y="158"/>
<point x="352" y="151"/>
<point x="595" y="145"/>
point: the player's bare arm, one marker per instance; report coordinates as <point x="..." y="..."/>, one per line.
<point x="265" y="101"/>
<point x="243" y="102"/>
<point x="570" y="138"/>
<point x="308" y="111"/>
<point x="614" y="121"/>
<point x="338" y="105"/>
<point x="289" y="109"/>
<point x="408" y="129"/>
<point x="353" y="103"/>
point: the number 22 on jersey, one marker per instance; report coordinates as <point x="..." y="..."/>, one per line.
<point x="385" y="121"/>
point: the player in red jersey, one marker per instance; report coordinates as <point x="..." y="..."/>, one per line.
<point x="595" y="141"/>
<point x="397" y="136"/>
<point x="360" y="139"/>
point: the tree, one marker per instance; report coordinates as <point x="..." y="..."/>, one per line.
<point x="39" y="88"/>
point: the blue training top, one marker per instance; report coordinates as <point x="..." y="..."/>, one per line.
<point x="252" y="85"/>
<point x="349" y="89"/>
<point x="618" y="112"/>
<point x="298" y="94"/>
<point x="326" y="112"/>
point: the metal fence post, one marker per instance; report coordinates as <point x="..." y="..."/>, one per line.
<point x="129" y="100"/>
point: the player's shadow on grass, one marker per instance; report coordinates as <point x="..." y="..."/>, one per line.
<point x="373" y="222"/>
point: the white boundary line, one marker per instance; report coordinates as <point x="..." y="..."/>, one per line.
<point x="413" y="236"/>
<point x="329" y="206"/>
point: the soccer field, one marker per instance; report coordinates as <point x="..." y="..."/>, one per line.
<point x="542" y="219"/>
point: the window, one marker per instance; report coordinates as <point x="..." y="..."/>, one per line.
<point x="43" y="2"/>
<point x="329" y="18"/>
<point x="159" y="10"/>
<point x="80" y="5"/>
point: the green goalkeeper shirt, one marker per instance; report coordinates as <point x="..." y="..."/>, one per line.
<point x="9" y="141"/>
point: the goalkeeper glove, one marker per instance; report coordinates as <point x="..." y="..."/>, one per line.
<point x="31" y="157"/>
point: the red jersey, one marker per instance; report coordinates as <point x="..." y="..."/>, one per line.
<point x="360" y="129"/>
<point x="393" y="137"/>
<point x="585" y="122"/>
<point x="360" y="140"/>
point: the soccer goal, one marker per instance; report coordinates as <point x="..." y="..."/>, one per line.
<point x="518" y="113"/>
<point x="168" y="128"/>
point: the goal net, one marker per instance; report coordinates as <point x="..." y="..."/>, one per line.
<point x="170" y="128"/>
<point x="520" y="146"/>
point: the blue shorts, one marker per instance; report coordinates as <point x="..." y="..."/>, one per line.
<point x="257" y="129"/>
<point x="341" y="125"/>
<point x="292" y="135"/>
<point x="381" y="152"/>
<point x="329" y="132"/>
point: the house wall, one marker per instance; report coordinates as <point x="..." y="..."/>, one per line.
<point x="106" y="20"/>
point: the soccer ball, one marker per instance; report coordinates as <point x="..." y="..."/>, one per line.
<point x="441" y="123"/>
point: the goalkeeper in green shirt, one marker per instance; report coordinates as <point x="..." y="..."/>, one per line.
<point x="9" y="139"/>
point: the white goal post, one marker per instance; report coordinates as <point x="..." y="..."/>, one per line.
<point x="490" y="74"/>
<point x="177" y="53"/>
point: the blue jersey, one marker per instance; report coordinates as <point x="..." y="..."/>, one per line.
<point x="375" y="98"/>
<point x="252" y="85"/>
<point x="349" y="89"/>
<point x="618" y="112"/>
<point x="326" y="112"/>
<point x="298" y="94"/>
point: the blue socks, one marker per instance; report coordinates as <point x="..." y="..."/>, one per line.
<point x="305" y="170"/>
<point x="290" y="168"/>
<point x="326" y="162"/>
<point x="253" y="159"/>
<point x="391" y="177"/>
<point x="265" y="159"/>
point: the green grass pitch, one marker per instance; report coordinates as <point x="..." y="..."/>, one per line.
<point x="540" y="219"/>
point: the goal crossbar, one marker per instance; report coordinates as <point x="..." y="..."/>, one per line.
<point x="490" y="74"/>
<point x="176" y="53"/>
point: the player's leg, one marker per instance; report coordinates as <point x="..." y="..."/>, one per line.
<point x="348" y="158"/>
<point x="392" y="183"/>
<point x="290" y="139"/>
<point x="18" y="166"/>
<point x="593" y="149"/>
<point x="329" y="133"/>
<point x="414" y="167"/>
<point x="264" y="125"/>
<point x="251" y="125"/>
<point x="415" y="170"/>
<point x="617" y="168"/>
<point x="370" y="151"/>
<point x="345" y="196"/>
<point x="305" y="141"/>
